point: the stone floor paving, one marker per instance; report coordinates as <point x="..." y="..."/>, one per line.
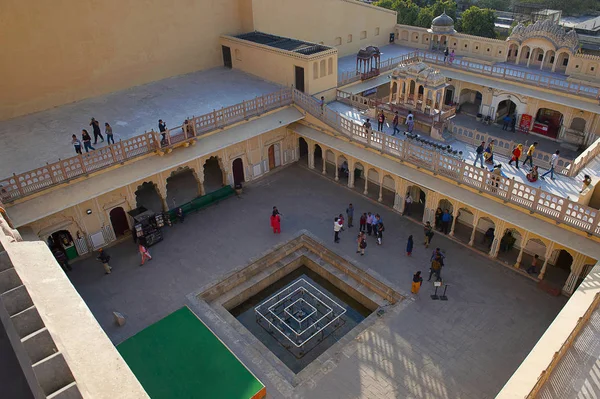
<point x="29" y="141"/>
<point x="466" y="347"/>
<point x="563" y="186"/>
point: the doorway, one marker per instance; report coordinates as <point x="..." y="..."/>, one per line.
<point x="227" y="57"/>
<point x="118" y="220"/>
<point x="238" y="171"/>
<point x="299" y="77"/>
<point x="274" y="156"/>
<point x="63" y="241"/>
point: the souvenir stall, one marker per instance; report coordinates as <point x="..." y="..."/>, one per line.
<point x="147" y="225"/>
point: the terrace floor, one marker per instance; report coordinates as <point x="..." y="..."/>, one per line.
<point x="466" y="347"/>
<point x="563" y="186"/>
<point x="29" y="141"/>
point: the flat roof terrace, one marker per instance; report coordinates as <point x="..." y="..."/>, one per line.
<point x="283" y="43"/>
<point x="29" y="141"/>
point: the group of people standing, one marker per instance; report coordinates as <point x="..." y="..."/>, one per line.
<point x="410" y="123"/>
<point x="87" y="139"/>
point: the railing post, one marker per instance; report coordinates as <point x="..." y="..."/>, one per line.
<point x="50" y="171"/>
<point x="112" y="153"/>
<point x="215" y="118"/>
<point x="62" y="168"/>
<point x="18" y="183"/>
<point x="169" y="137"/>
<point x="83" y="168"/>
<point x="510" y="189"/>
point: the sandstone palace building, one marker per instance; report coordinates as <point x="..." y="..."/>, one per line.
<point x="251" y="87"/>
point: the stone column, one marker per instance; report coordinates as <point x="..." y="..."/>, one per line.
<point x="425" y="93"/>
<point x="549" y="250"/>
<point x="555" y="62"/>
<point x="531" y="53"/>
<point x="324" y="161"/>
<point x="543" y="60"/>
<point x="431" y="200"/>
<point x="406" y="90"/>
<point x="311" y="156"/>
<point x="366" y="173"/>
<point x="380" y="187"/>
<point x="518" y="55"/>
<point x="499" y="227"/>
<point x="161" y="187"/>
<point x="576" y="268"/>
<point x="337" y="177"/>
<point x="454" y="218"/>
<point x="399" y="197"/>
<point x="350" y="173"/>
<point x="475" y="222"/>
<point x="524" y="240"/>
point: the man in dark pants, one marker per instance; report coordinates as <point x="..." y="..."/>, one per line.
<point x="336" y="230"/>
<point x="446" y="220"/>
<point x="162" y="128"/>
<point x="350" y="214"/>
<point x="61" y="258"/>
<point x="97" y="132"/>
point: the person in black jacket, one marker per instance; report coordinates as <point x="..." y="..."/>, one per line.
<point x="97" y="132"/>
<point x="104" y="258"/>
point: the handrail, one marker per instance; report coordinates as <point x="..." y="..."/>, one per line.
<point x="496" y="71"/>
<point x="584" y="158"/>
<point x="65" y="170"/>
<point x="508" y="190"/>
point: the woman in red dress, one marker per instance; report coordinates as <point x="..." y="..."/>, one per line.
<point x="276" y="223"/>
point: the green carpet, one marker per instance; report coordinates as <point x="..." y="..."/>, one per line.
<point x="179" y="357"/>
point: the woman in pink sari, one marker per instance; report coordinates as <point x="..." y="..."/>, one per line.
<point x="276" y="223"/>
<point x="145" y="254"/>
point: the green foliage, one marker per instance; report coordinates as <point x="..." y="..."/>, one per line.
<point x="571" y="7"/>
<point x="425" y="17"/>
<point x="440" y="6"/>
<point x="407" y="12"/>
<point x="419" y="12"/>
<point x="479" y="22"/>
<point x="500" y="5"/>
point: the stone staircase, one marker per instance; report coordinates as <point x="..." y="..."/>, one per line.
<point x="44" y="366"/>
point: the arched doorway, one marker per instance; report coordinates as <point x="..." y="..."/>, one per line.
<point x="537" y="55"/>
<point x="525" y="53"/>
<point x="343" y="169"/>
<point x="393" y="92"/>
<point x="549" y="59"/>
<point x="330" y="163"/>
<point x="578" y="124"/>
<point x="147" y="196"/>
<point x="214" y="177"/>
<point x="547" y="122"/>
<point x="238" y="171"/>
<point x="443" y="206"/>
<point x="388" y="190"/>
<point x="510" y="244"/>
<point x="182" y="187"/>
<point x="463" y="226"/>
<point x="505" y="107"/>
<point x="533" y="247"/>
<point x="62" y="240"/>
<point x="513" y="53"/>
<point x="318" y="157"/>
<point x="418" y="202"/>
<point x="274" y="156"/>
<point x="449" y="96"/>
<point x="303" y="150"/>
<point x="558" y="269"/>
<point x="470" y="101"/>
<point x="411" y="92"/>
<point x="484" y="234"/>
<point x="118" y="221"/>
<point x="359" y="175"/>
<point x="372" y="187"/>
<point x="562" y="62"/>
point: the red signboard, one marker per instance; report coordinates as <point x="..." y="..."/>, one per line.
<point x="525" y="123"/>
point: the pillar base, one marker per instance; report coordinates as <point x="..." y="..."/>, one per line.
<point x="365" y="192"/>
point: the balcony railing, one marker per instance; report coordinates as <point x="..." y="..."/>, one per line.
<point x="64" y="170"/>
<point x="496" y="71"/>
<point x="525" y="196"/>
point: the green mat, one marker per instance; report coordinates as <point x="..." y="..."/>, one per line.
<point x="179" y="357"/>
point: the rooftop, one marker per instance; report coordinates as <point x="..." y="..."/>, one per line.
<point x="283" y="43"/>
<point x="29" y="141"/>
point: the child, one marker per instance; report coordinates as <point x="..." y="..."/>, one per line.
<point x="409" y="246"/>
<point x="363" y="222"/>
<point x="533" y="175"/>
<point x="76" y="143"/>
<point x="417" y="281"/>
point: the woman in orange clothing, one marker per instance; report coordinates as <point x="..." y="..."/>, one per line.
<point x="516" y="154"/>
<point x="417" y="281"/>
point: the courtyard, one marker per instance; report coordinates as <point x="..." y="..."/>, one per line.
<point x="466" y="347"/>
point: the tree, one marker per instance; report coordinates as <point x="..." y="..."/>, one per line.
<point x="478" y="22"/>
<point x="389" y="4"/>
<point x="424" y="18"/>
<point x="500" y="5"/>
<point x="448" y="6"/>
<point x="407" y="12"/>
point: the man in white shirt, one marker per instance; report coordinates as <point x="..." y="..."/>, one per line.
<point x="552" y="165"/>
<point x="336" y="230"/>
<point x="407" y="204"/>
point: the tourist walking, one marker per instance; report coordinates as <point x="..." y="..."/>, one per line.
<point x="104" y="258"/>
<point x="336" y="230"/>
<point x="437" y="253"/>
<point x="370" y="218"/>
<point x="180" y="214"/>
<point x="162" y="128"/>
<point x="322" y="104"/>
<point x="446" y="53"/>
<point x="488" y="153"/>
<point x="407" y="204"/>
<point x="451" y="57"/>
<point x="380" y="230"/>
<point x="479" y="154"/>
<point x="506" y="122"/>
<point x="76" y="144"/>
<point x="417" y="282"/>
<point x="428" y="232"/>
<point x="109" y="133"/>
<point x="341" y="221"/>
<point x="362" y="243"/>
<point x="513" y="123"/>
<point x="395" y="123"/>
<point x="367" y="126"/>
<point x="144" y="253"/>
<point x="446" y="220"/>
<point x="436" y="268"/>
<point x="276" y="222"/>
<point x="61" y="259"/>
<point x="96" y="128"/>
<point x="529" y="156"/>
<point x="380" y="121"/>
<point x="532" y="269"/>
<point x="587" y="181"/>
<point x="363" y="223"/>
<point x="553" y="161"/>
<point x="350" y="214"/>
<point x="410" y="122"/>
<point x="87" y="140"/>
<point x="516" y="154"/>
<point x="409" y="246"/>
<point x="359" y="237"/>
